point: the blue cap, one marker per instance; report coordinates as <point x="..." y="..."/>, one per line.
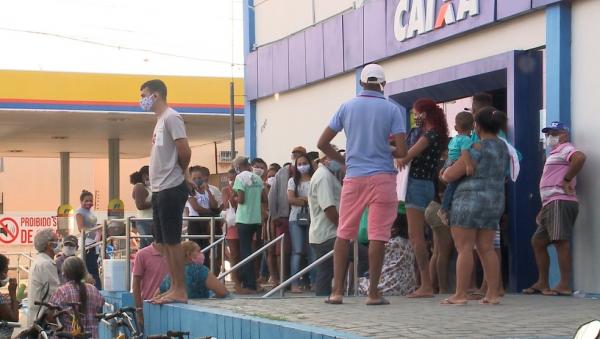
<point x="556" y="126"/>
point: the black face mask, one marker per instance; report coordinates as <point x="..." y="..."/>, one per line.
<point x="420" y="120"/>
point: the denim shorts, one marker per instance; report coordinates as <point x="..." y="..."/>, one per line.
<point x="419" y="193"/>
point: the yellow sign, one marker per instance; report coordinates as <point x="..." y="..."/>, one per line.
<point x="116" y="209"/>
<point x="65" y="223"/>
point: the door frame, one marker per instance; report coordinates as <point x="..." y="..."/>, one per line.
<point x="521" y="73"/>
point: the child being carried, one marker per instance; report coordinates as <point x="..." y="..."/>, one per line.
<point x="458" y="144"/>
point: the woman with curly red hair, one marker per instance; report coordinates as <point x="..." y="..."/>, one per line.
<point x="424" y="157"/>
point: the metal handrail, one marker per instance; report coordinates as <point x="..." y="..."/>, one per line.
<point x="204" y="250"/>
<point x="284" y="284"/>
<point x="280" y="238"/>
<point x="20" y="267"/>
<point x="281" y="287"/>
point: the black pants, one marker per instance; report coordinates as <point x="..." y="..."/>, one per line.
<point x="325" y="269"/>
<point x="246" y="233"/>
<point x="91" y="263"/>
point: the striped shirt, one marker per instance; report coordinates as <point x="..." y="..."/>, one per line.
<point x="555" y="169"/>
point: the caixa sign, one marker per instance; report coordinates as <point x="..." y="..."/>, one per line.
<point x="415" y="17"/>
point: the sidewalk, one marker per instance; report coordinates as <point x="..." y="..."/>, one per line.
<point x="518" y="317"/>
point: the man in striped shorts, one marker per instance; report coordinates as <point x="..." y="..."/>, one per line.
<point x="559" y="211"/>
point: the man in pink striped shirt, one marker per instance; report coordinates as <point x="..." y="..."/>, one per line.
<point x="559" y="211"/>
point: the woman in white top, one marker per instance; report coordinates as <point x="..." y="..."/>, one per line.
<point x="86" y="219"/>
<point x="298" y="189"/>
<point x="142" y="195"/>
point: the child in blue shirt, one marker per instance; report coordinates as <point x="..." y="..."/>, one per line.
<point x="462" y="142"/>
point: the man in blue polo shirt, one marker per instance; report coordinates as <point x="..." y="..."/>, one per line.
<point x="368" y="120"/>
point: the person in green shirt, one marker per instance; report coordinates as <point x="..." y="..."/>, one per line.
<point x="249" y="192"/>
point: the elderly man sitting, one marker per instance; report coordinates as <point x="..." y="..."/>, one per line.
<point x="43" y="275"/>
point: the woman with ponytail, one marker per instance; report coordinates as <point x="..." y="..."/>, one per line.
<point x="142" y="195"/>
<point x="423" y="158"/>
<point x="76" y="290"/>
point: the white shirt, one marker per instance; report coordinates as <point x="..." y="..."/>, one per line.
<point x="42" y="273"/>
<point x="204" y="200"/>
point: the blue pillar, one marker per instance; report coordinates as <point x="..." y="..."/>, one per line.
<point x="249" y="106"/>
<point x="357" y="76"/>
<point x="558" y="83"/>
<point x="524" y="100"/>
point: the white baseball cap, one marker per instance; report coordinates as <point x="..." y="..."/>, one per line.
<point x="372" y="71"/>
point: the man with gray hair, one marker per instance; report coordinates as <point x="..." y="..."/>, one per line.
<point x="43" y="275"/>
<point x="248" y="190"/>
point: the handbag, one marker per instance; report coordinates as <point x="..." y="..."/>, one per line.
<point x="303" y="217"/>
<point x="402" y="182"/>
<point x="229" y="215"/>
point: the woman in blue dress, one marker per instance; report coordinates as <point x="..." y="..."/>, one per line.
<point x="477" y="206"/>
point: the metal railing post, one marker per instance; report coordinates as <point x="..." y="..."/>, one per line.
<point x="224" y="228"/>
<point x="18" y="269"/>
<point x="103" y="247"/>
<point x="212" y="239"/>
<point x="355" y="270"/>
<point x="128" y="253"/>
<point x="281" y="263"/>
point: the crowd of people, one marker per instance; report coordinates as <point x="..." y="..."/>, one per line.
<point x="452" y="200"/>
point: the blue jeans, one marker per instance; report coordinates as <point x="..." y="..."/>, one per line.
<point x="448" y="194"/>
<point x="246" y="233"/>
<point x="144" y="228"/>
<point x="299" y="237"/>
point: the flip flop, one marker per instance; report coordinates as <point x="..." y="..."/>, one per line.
<point x="485" y="301"/>
<point x="447" y="301"/>
<point x="381" y="301"/>
<point x="333" y="302"/>
<point x="475" y="296"/>
<point x="555" y="293"/>
<point x="531" y="291"/>
<point x="419" y="296"/>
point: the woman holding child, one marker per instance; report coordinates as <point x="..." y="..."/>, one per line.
<point x="423" y="158"/>
<point x="478" y="204"/>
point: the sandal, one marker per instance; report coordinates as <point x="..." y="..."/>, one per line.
<point x="448" y="301"/>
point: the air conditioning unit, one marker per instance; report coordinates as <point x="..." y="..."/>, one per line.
<point x="225" y="157"/>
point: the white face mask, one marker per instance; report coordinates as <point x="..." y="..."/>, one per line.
<point x="552" y="141"/>
<point x="146" y="103"/>
<point x="147" y="183"/>
<point x="304" y="169"/>
<point x="69" y="250"/>
<point x="258" y="171"/>
<point x="271" y="181"/>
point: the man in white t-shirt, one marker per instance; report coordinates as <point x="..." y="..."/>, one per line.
<point x="170" y="184"/>
<point x="324" y="203"/>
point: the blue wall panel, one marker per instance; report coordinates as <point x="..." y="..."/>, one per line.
<point x="353" y="39"/>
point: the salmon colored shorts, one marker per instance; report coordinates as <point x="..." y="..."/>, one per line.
<point x="378" y="193"/>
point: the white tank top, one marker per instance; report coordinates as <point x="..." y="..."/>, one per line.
<point x="147" y="213"/>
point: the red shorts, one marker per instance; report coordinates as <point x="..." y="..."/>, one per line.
<point x="282" y="227"/>
<point x="378" y="193"/>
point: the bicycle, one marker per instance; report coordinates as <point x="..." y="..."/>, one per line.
<point x="8" y="325"/>
<point x="123" y="320"/>
<point x="170" y="335"/>
<point x="43" y="328"/>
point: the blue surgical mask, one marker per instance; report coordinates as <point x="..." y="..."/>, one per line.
<point x="4" y="282"/>
<point x="56" y="248"/>
<point x="199" y="182"/>
<point x="334" y="166"/>
<point x="146" y="103"/>
<point x="304" y="169"/>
